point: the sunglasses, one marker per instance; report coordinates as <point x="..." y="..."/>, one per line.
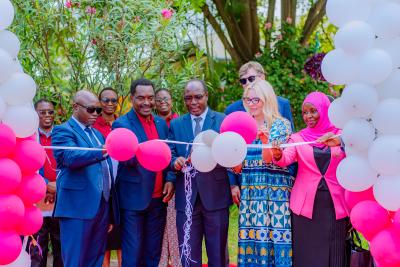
<point x="251" y="79"/>
<point x="190" y="98"/>
<point x="109" y="100"/>
<point x="91" y="110"/>
<point x="253" y="101"/>
<point x="164" y="99"/>
<point x="45" y="112"/>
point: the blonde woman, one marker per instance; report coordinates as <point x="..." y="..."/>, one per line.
<point x="263" y="192"/>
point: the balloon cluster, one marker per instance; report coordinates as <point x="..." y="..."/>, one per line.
<point x="366" y="60"/>
<point x="21" y="156"/>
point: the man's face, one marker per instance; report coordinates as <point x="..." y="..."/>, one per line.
<point x="109" y="102"/>
<point x="163" y="102"/>
<point x="45" y="110"/>
<point x="86" y="110"/>
<point x="195" y="98"/>
<point x="143" y="100"/>
<point x="250" y="76"/>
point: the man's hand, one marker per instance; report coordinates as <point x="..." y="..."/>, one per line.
<point x="50" y="198"/>
<point x="235" y="191"/>
<point x="168" y="191"/>
<point x="110" y="227"/>
<point x="179" y="162"/>
<point x="51" y="187"/>
<point x="276" y="151"/>
<point x="329" y="139"/>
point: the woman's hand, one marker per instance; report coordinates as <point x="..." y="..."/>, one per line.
<point x="263" y="134"/>
<point x="276" y="150"/>
<point x="235" y="190"/>
<point x="329" y="139"/>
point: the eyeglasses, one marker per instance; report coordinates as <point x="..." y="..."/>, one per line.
<point x="91" y="110"/>
<point x="190" y="98"/>
<point x="109" y="100"/>
<point x="251" y="79"/>
<point x="164" y="99"/>
<point x="253" y="101"/>
<point x="44" y="112"/>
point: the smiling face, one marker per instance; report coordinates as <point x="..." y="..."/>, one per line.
<point x="310" y="115"/>
<point x="45" y="111"/>
<point x="109" y="102"/>
<point x="143" y="100"/>
<point x="163" y="102"/>
<point x="254" y="104"/>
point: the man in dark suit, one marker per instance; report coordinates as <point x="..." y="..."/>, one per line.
<point x="211" y="195"/>
<point x="248" y="73"/>
<point x="84" y="185"/>
<point x="142" y="193"/>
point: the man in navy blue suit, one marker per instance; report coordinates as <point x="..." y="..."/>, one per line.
<point x="248" y="73"/>
<point x="211" y="196"/>
<point x="84" y="185"/>
<point x="142" y="194"/>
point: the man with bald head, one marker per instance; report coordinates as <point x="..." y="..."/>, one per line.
<point x="84" y="185"/>
<point x="211" y="195"/>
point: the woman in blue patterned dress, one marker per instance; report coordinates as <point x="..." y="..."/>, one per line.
<point x="265" y="237"/>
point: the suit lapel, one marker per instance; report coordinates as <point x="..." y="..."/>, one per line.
<point x="79" y="130"/>
<point x="188" y="128"/>
<point x="160" y="130"/>
<point x="136" y="126"/>
<point x="209" y="120"/>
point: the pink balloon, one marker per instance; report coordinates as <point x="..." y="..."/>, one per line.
<point x="12" y="212"/>
<point x="32" y="221"/>
<point x="10" y="247"/>
<point x="7" y="140"/>
<point x="353" y="198"/>
<point x="242" y="123"/>
<point x="10" y="176"/>
<point x="33" y="137"/>
<point x="154" y="155"/>
<point x="369" y="218"/>
<point x="385" y="248"/>
<point x="30" y="156"/>
<point x="396" y="221"/>
<point x="122" y="144"/>
<point x="32" y="189"/>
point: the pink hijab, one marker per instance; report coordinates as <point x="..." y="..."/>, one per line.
<point x="321" y="102"/>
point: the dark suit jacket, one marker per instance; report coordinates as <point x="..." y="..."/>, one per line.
<point x="135" y="184"/>
<point x="80" y="179"/>
<point x="213" y="187"/>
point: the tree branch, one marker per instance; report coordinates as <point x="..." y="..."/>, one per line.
<point x="270" y="19"/>
<point x="315" y="16"/>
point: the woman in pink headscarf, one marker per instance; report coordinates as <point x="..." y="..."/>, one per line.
<point x="320" y="215"/>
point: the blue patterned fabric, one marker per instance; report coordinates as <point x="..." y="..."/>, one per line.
<point x="265" y="237"/>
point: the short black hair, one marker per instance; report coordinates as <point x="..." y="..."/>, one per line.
<point x="107" y="89"/>
<point x="200" y="81"/>
<point x="141" y="81"/>
<point x="42" y="100"/>
<point x="163" y="89"/>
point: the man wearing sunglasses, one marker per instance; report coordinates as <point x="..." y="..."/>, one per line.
<point x="50" y="230"/>
<point x="84" y="185"/>
<point x="109" y="101"/>
<point x="142" y="193"/>
<point x="211" y="196"/>
<point x="248" y="73"/>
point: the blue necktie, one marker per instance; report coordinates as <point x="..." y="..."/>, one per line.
<point x="197" y="128"/>
<point x="104" y="166"/>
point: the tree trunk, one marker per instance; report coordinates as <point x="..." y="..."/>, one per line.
<point x="314" y="17"/>
<point x="270" y="21"/>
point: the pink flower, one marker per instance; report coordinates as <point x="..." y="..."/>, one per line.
<point x="91" y="10"/>
<point x="258" y="55"/>
<point x="289" y="20"/>
<point x="166" y="13"/>
<point x="136" y="19"/>
<point x="268" y="26"/>
<point x="68" y="4"/>
<point x="94" y="41"/>
<point x="279" y="37"/>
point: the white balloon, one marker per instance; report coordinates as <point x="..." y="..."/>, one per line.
<point x="390" y="88"/>
<point x="3" y="107"/>
<point x="340" y="12"/>
<point x="375" y="66"/>
<point x="386" y="117"/>
<point x="6" y="65"/>
<point x="386" y="192"/>
<point x="391" y="46"/>
<point x="337" y="113"/>
<point x="209" y="137"/>
<point x="6" y="14"/>
<point x="22" y="119"/>
<point x="229" y="149"/>
<point x="19" y="89"/>
<point x="9" y="42"/>
<point x="202" y="159"/>
<point x="385" y="20"/>
<point x="355" y="37"/>
<point x="358" y="134"/>
<point x="359" y="99"/>
<point x="384" y="155"/>
<point x="355" y="174"/>
<point x="198" y="140"/>
<point x="351" y="151"/>
<point x="339" y="68"/>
